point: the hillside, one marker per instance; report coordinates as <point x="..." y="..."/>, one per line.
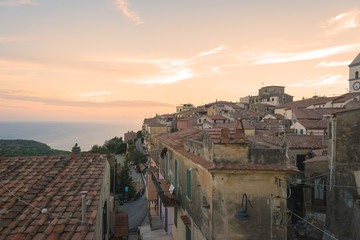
<point x="20" y="148"/>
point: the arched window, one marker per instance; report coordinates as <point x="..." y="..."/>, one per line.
<point x="357" y="74"/>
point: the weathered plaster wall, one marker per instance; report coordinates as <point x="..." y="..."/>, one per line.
<point x="259" y="187"/>
<point x="342" y="198"/>
<point x="104" y="196"/>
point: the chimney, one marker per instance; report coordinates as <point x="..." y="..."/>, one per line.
<point x="225" y="135"/>
<point x="76" y="150"/>
<point x="83" y="199"/>
<point x="239" y="133"/>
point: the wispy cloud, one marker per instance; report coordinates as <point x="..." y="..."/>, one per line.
<point x="17" y="2"/>
<point x="307" y="55"/>
<point x="342" y="21"/>
<point x="132" y="15"/>
<point x="170" y="70"/>
<point x="333" y="64"/>
<point x="328" y="79"/>
<point x="95" y="94"/>
<point x="213" y="51"/>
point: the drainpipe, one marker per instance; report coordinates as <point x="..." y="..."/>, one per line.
<point x="332" y="149"/>
<point x="83" y="198"/>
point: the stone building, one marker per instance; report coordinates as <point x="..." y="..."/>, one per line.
<point x="215" y="173"/>
<point x="343" y="201"/>
<point x="130" y="136"/>
<point x="354" y="78"/>
<point x="269" y="97"/>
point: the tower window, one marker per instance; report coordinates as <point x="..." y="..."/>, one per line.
<point x="357" y="74"/>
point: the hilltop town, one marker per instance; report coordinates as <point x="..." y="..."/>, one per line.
<point x="263" y="167"/>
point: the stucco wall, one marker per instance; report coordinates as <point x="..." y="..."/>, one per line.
<point x="104" y="196"/>
<point x="342" y="197"/>
<point x="259" y="187"/>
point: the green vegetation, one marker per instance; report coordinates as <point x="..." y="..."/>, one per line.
<point x="114" y="145"/>
<point x="22" y="148"/>
<point x="135" y="156"/>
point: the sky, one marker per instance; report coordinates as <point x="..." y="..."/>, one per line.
<point x="106" y="60"/>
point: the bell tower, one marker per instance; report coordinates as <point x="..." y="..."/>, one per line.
<point x="354" y="76"/>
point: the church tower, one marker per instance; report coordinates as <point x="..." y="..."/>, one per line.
<point x="354" y="78"/>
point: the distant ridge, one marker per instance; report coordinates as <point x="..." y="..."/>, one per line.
<point x="22" y="148"/>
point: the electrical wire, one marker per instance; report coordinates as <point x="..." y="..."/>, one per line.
<point x="41" y="209"/>
<point x="312" y="224"/>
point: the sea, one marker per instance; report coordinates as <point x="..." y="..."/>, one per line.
<point x="64" y="135"/>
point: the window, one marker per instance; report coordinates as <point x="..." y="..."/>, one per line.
<point x="166" y="219"/>
<point x="199" y="120"/>
<point x="255" y="109"/>
<point x="330" y="130"/>
<point x="356" y="74"/>
<point x="296" y="131"/>
<point x="257" y="100"/>
<point x="188" y="233"/>
<point x="265" y="90"/>
<point x="188" y="183"/>
<point x="300" y="162"/>
<point x="272" y="99"/>
<point x="301" y="131"/>
<point x="284" y="99"/>
<point x="213" y="107"/>
<point x="319" y="192"/>
<point x="267" y="109"/>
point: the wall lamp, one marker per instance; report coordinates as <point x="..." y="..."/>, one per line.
<point x="242" y="213"/>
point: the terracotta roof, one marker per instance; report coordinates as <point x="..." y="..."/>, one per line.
<point x="186" y="119"/>
<point x="176" y="140"/>
<point x="317" y="159"/>
<point x="314" y="113"/>
<point x="154" y="122"/>
<point x="314" y="124"/>
<point x="303" y="141"/>
<point x="345" y="97"/>
<point x="306" y="102"/>
<point x="54" y="183"/>
<point x="216" y="117"/>
<point x="273" y="140"/>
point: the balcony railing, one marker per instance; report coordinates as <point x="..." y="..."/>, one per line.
<point x="162" y="188"/>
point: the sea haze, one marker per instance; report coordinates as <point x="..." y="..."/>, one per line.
<point x="64" y="135"/>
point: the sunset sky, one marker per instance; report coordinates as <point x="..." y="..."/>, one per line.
<point x="103" y="60"/>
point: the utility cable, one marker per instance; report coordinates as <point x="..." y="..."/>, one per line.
<point x="312" y="224"/>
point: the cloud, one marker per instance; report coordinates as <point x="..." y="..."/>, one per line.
<point x="213" y="51"/>
<point x="307" y="55"/>
<point x="95" y="94"/>
<point x="328" y="79"/>
<point x="21" y="96"/>
<point x="17" y="2"/>
<point x="132" y="15"/>
<point x="172" y="77"/>
<point x="333" y="64"/>
<point x="342" y="21"/>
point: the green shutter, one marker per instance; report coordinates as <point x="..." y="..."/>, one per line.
<point x="166" y="167"/>
<point x="188" y="233"/>
<point x="188" y="183"/>
<point x="176" y="177"/>
<point x="175" y="216"/>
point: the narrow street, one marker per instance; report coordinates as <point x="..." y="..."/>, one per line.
<point x="139" y="147"/>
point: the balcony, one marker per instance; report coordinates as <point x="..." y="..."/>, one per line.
<point x="162" y="188"/>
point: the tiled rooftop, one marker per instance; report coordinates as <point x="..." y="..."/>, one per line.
<point x="216" y="117"/>
<point x="306" y="102"/>
<point x="316" y="113"/>
<point x="30" y="184"/>
<point x="345" y="97"/>
<point x="314" y="124"/>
